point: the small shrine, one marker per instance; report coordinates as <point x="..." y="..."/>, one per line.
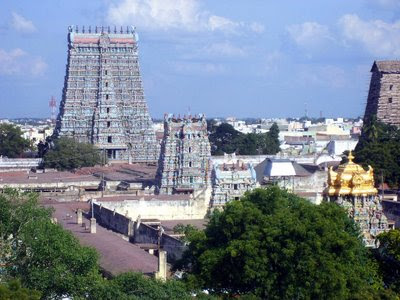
<point x="352" y="187"/>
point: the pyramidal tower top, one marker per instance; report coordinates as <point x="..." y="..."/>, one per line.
<point x="103" y="102"/>
<point x="384" y="92"/>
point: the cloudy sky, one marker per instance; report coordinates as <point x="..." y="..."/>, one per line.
<point x="254" y="58"/>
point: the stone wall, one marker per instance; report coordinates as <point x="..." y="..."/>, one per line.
<point x="384" y="93"/>
<point x="180" y="208"/>
<point x="146" y="234"/>
<point x="142" y="234"/>
<point x="112" y="220"/>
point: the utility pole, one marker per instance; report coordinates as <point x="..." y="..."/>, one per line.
<point x="382" y="188"/>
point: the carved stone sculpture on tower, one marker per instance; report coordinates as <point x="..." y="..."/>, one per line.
<point x="352" y="187"/>
<point x="184" y="164"/>
<point x="103" y="101"/>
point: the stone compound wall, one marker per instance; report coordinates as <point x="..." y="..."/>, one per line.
<point x="142" y="234"/>
<point x="195" y="207"/>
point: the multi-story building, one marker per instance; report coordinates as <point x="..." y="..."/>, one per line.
<point x="184" y="164"/>
<point x="103" y="101"/>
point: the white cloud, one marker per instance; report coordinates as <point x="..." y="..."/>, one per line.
<point x="198" y="68"/>
<point x="309" y="34"/>
<point x="257" y="27"/>
<point x="21" y="24"/>
<point x="165" y="15"/>
<point x="378" y="37"/>
<point x="18" y="62"/>
<point x="224" y="49"/>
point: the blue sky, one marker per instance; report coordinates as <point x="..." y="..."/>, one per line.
<point x="255" y="58"/>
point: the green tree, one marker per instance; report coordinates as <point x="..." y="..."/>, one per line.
<point x="68" y="154"/>
<point x="41" y="254"/>
<point x="271" y="145"/>
<point x="225" y="139"/>
<point x="388" y="257"/>
<point x="379" y="146"/>
<point x="12" y="144"/>
<point x="276" y="245"/>
<point x="13" y="290"/>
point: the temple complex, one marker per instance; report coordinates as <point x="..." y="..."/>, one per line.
<point x="184" y="164"/>
<point x="103" y="101"/>
<point x="384" y="92"/>
<point x="352" y="187"/>
<point x="231" y="180"/>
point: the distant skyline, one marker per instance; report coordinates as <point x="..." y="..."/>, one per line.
<point x="257" y="58"/>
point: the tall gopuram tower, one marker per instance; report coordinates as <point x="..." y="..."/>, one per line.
<point x="103" y="101"/>
<point x="184" y="164"/>
<point x="353" y="188"/>
<point x="384" y="92"/>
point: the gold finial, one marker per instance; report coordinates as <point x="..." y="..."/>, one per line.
<point x="350" y="157"/>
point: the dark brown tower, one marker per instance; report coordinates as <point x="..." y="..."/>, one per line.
<point x="384" y="92"/>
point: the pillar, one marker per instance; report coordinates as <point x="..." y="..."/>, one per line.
<point x="92" y="225"/>
<point x="79" y="216"/>
<point x="130" y="228"/>
<point x="162" y="265"/>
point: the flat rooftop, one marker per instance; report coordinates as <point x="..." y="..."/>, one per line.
<point x="143" y="173"/>
<point x="116" y="254"/>
<point x="24" y="177"/>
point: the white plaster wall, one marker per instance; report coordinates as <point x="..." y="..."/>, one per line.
<point x="194" y="208"/>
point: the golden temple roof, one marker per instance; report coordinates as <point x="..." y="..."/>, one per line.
<point x="351" y="179"/>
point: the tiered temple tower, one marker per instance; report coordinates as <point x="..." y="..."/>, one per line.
<point x="231" y="180"/>
<point x="384" y="92"/>
<point x="353" y="188"/>
<point x="103" y="101"/>
<point x="184" y="164"/>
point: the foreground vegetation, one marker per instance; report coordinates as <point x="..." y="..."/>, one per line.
<point x="46" y="258"/>
<point x="269" y="245"/>
<point x="274" y="245"/>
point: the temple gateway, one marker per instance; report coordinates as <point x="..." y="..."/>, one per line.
<point x="352" y="187"/>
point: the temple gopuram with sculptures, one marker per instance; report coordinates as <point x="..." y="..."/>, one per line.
<point x="353" y="188"/>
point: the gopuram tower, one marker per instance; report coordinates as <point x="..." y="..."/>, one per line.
<point x="353" y="188"/>
<point x="184" y="165"/>
<point x="103" y="101"/>
<point x="384" y="92"/>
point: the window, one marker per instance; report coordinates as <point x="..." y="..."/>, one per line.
<point x="108" y="124"/>
<point x="190" y="163"/>
<point x="235" y="186"/>
<point x="106" y="96"/>
<point x="106" y="72"/>
<point x="190" y="149"/>
<point x="390" y="100"/>
<point x="191" y="179"/>
<point x="108" y="109"/>
<point x="106" y="84"/>
<point x="109" y="139"/>
<point x="390" y="87"/>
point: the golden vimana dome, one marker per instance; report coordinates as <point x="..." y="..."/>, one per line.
<point x="350" y="179"/>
